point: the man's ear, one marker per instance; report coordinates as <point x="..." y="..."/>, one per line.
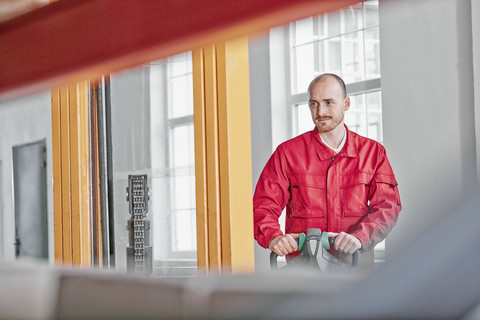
<point x="347" y="103"/>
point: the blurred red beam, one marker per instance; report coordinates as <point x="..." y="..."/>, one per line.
<point x="71" y="39"/>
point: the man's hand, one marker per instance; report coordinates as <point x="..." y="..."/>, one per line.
<point x="284" y="244"/>
<point x="345" y="242"/>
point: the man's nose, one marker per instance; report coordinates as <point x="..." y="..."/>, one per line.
<point x="320" y="110"/>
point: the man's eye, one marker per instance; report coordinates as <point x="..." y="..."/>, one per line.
<point x="313" y="104"/>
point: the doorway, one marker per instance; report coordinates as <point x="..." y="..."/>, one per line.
<point x="30" y="196"/>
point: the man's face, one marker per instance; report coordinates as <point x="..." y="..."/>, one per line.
<point x="327" y="104"/>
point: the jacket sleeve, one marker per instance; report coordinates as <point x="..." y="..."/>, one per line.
<point x="270" y="198"/>
<point x="384" y="205"/>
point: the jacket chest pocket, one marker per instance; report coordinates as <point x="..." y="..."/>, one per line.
<point x="308" y="195"/>
<point x="354" y="192"/>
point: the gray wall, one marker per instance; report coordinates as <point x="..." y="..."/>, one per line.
<point x="476" y="75"/>
<point x="22" y="121"/>
<point x="428" y="103"/>
<point x="260" y="113"/>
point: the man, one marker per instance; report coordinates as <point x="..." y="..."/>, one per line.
<point x="329" y="178"/>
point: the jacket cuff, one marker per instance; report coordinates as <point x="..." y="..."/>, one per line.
<point x="268" y="237"/>
<point x="365" y="241"/>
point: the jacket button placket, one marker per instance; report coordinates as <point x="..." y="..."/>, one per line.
<point x="334" y="201"/>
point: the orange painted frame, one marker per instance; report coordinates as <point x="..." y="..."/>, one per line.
<point x="71" y="175"/>
<point x="222" y="158"/>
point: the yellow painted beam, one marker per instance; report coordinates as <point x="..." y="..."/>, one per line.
<point x="223" y="142"/>
<point x="200" y="161"/>
<point x="235" y="155"/>
<point x="57" y="177"/>
<point x="83" y="224"/>
<point x="71" y="174"/>
<point x="65" y="167"/>
<point x="223" y="158"/>
<point x="74" y="174"/>
<point x="213" y="179"/>
<point x="96" y="206"/>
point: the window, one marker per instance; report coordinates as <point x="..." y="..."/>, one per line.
<point x="171" y="94"/>
<point x="152" y="133"/>
<point x="345" y="43"/>
<point x="182" y="155"/>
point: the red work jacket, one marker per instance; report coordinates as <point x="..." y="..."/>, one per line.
<point x="354" y="191"/>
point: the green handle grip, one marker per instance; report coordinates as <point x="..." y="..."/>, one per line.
<point x="302" y="237"/>
<point x="327" y="242"/>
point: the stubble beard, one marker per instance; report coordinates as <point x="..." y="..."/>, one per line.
<point x="331" y="124"/>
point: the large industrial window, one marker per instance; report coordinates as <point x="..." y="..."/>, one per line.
<point x="345" y="43"/>
<point x="152" y="135"/>
<point x="182" y="155"/>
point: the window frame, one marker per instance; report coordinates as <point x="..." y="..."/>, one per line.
<point x="163" y="171"/>
<point x="174" y="122"/>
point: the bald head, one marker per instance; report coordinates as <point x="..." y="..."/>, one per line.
<point x="325" y="76"/>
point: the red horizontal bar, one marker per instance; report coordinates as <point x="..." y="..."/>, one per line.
<point x="72" y="39"/>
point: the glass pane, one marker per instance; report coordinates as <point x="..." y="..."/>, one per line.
<point x="374" y="115"/>
<point x="304" y="67"/>
<point x="182" y="145"/>
<point x="180" y="85"/>
<point x="179" y="65"/>
<point x="374" y="130"/>
<point x="352" y="50"/>
<point x="304" y="119"/>
<point x="184" y="198"/>
<point x="352" y="18"/>
<point x="321" y="27"/>
<point x="365" y="115"/>
<point x="333" y="23"/>
<point x="185" y="232"/>
<point x="354" y="55"/>
<point x="303" y="31"/>
<point x="374" y="101"/>
<point x="161" y="203"/>
<point x="180" y="96"/>
<point x="320" y="47"/>
<point x="355" y="117"/>
<point x="372" y="53"/>
<point x="156" y="138"/>
<point x="333" y="59"/>
<point x="371" y="13"/>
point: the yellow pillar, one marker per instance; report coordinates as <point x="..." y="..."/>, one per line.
<point x="71" y="174"/>
<point x="223" y="158"/>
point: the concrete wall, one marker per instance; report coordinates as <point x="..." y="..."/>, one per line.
<point x="261" y="115"/>
<point x="476" y="75"/>
<point x="428" y="108"/>
<point x="22" y="121"/>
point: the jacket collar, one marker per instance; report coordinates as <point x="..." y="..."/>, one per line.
<point x="324" y="152"/>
